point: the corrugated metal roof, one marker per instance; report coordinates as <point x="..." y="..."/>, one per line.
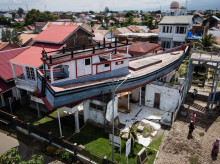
<point x="3" y="44"/>
<point x="26" y="37"/>
<point x="140" y="48"/>
<point x="5" y="67"/>
<point x="61" y="23"/>
<point x="181" y="19"/>
<point x="55" y="34"/>
<point x="32" y="56"/>
<point x="5" y="86"/>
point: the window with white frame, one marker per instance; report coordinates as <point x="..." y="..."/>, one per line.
<point x="30" y="73"/>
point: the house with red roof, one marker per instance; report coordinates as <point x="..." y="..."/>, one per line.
<point x="53" y="38"/>
<point x="138" y="49"/>
<point x="7" y="46"/>
<point x="7" y="85"/>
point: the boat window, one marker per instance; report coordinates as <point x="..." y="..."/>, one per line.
<point x="87" y="61"/>
<point x="107" y="65"/>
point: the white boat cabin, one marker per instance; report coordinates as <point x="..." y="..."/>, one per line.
<point x="85" y="65"/>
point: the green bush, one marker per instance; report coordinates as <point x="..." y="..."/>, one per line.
<point x="65" y="155"/>
<point x="59" y="152"/>
<point x="51" y="150"/>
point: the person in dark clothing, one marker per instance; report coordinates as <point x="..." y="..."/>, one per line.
<point x="191" y="128"/>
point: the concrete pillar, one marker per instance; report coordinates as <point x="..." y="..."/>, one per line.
<point x="86" y="110"/>
<point x="58" y="115"/>
<point x="2" y="99"/>
<point x="19" y="94"/>
<point x="38" y="110"/>
<point x="51" y="75"/>
<point x="76" y="122"/>
<point x="140" y="96"/>
<point x="13" y="70"/>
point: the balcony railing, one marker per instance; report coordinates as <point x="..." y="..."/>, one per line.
<point x="28" y="85"/>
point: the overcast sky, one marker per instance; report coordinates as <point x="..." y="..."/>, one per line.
<point x="99" y="5"/>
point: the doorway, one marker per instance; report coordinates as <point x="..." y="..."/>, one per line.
<point x="157" y="100"/>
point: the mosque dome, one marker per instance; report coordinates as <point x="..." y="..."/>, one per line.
<point x="182" y="7"/>
<point x="174" y="5"/>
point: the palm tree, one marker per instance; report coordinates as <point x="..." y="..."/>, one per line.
<point x="206" y="43"/>
<point x="131" y="134"/>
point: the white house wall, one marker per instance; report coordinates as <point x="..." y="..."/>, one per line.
<point x="94" y="115"/>
<point x="169" y="97"/>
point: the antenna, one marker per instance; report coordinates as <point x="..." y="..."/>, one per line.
<point x="27" y="7"/>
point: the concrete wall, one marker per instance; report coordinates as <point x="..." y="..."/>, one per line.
<point x="92" y="114"/>
<point x="169" y="97"/>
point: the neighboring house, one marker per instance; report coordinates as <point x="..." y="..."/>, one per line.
<point x="138" y="49"/>
<point x="7" y="86"/>
<point x="198" y="18"/>
<point x="105" y="33"/>
<point x="143" y="37"/>
<point x="29" y="28"/>
<point x="7" y="15"/>
<point x="63" y="20"/>
<point x="7" y="46"/>
<point x="84" y="25"/>
<point x="173" y="30"/>
<point x="122" y="30"/>
<point x="39" y="26"/>
<point x="27" y="39"/>
<point x="52" y="39"/>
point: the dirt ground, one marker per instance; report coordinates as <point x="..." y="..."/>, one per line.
<point x="177" y="148"/>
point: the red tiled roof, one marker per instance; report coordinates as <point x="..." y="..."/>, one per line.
<point x="56" y="34"/>
<point x="140" y="48"/>
<point x="32" y="56"/>
<point x="40" y="23"/>
<point x="5" y="86"/>
<point x="102" y="32"/>
<point x="5" y="66"/>
<point x="135" y="29"/>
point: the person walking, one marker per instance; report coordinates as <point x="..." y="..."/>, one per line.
<point x="215" y="148"/>
<point x="191" y="128"/>
<point x="193" y="118"/>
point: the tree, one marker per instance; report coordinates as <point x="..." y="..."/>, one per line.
<point x="106" y="10"/>
<point x="141" y="12"/>
<point x="13" y="16"/>
<point x="206" y="43"/>
<point x="10" y="36"/>
<point x="92" y="12"/>
<point x="20" y="11"/>
<point x="129" y="14"/>
<point x="148" y="21"/>
<point x="92" y="23"/>
<point x="12" y="157"/>
<point x="131" y="134"/>
<point x="36" y="16"/>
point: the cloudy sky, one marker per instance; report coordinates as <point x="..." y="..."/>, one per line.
<point x="99" y="5"/>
